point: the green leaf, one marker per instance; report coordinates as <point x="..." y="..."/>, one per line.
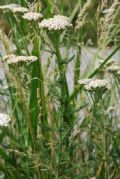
<point x="6" y="157"/>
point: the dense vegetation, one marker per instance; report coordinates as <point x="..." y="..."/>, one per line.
<point x="62" y="120"/>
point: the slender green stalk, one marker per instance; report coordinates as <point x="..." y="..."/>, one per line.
<point x="37" y="86"/>
<point x="105" y="61"/>
<point x="63" y="81"/>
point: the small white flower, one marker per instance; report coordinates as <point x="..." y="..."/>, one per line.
<point x="108" y="11"/>
<point x="13" y="59"/>
<point x="14" y="8"/>
<point x="32" y="16"/>
<point x="58" y="22"/>
<point x="114" y="68"/>
<point x="97" y="85"/>
<point x="4" y="120"/>
<point x="84" y="81"/>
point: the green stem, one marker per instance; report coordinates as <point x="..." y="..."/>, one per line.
<point x="77" y="64"/>
<point x="63" y="80"/>
<point x="63" y="84"/>
<point x="37" y="89"/>
<point x="78" y="56"/>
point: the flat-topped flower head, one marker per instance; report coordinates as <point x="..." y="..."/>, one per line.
<point x="13" y="59"/>
<point x="15" y="8"/>
<point x="58" y="22"/>
<point x="4" y="120"/>
<point x="32" y="16"/>
<point x="98" y="85"/>
<point x="115" y="68"/>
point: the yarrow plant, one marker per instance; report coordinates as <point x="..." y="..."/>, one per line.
<point x="63" y="119"/>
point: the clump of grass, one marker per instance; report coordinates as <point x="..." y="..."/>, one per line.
<point x="56" y="132"/>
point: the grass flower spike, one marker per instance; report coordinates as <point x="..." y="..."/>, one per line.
<point x="13" y="59"/>
<point x="32" y="16"/>
<point x="58" y="22"/>
<point x="4" y="120"/>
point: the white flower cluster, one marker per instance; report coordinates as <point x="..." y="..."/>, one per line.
<point x="14" y="8"/>
<point x="58" y="22"/>
<point x="98" y="85"/>
<point x="32" y="16"/>
<point x="4" y="120"/>
<point x="115" y="68"/>
<point x="95" y="84"/>
<point x="13" y="59"/>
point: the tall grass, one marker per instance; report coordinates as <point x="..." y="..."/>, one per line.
<point x="55" y="131"/>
